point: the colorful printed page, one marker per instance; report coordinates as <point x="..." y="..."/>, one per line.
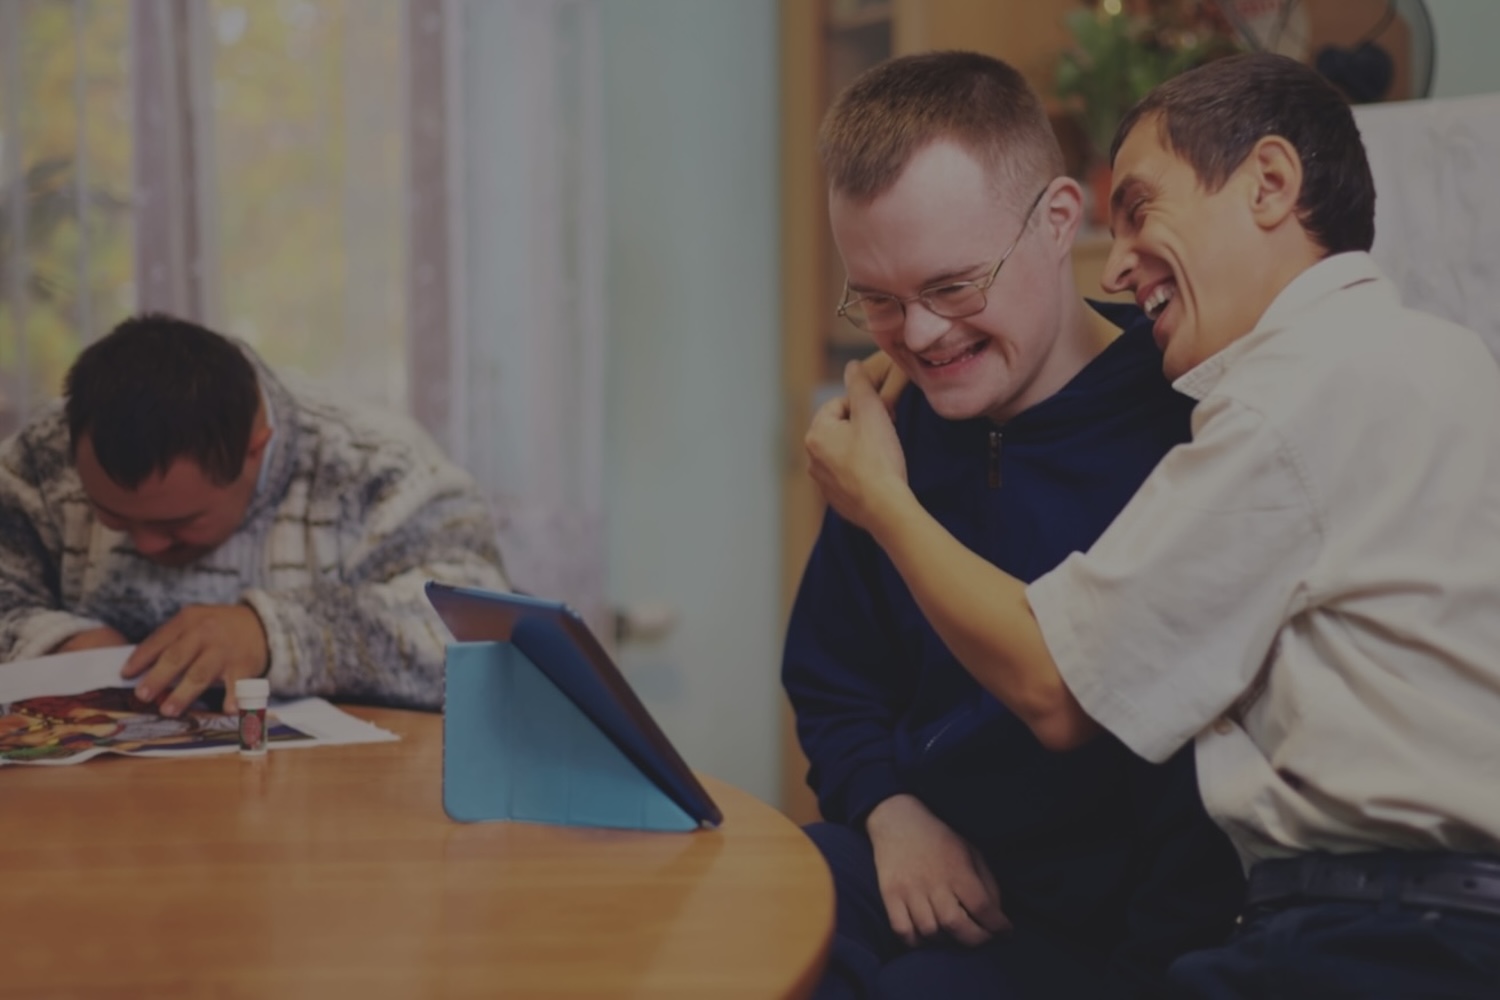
<point x="66" y="709"/>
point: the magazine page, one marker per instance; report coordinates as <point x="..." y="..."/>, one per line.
<point x="68" y="708"/>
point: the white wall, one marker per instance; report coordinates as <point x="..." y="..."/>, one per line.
<point x="693" y="382"/>
<point x="1467" y="33"/>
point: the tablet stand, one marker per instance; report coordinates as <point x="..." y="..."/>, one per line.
<point x="515" y="748"/>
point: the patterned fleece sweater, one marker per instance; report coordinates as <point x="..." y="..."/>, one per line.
<point x="356" y="511"/>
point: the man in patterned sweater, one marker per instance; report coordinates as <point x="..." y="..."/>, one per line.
<point x="183" y="498"/>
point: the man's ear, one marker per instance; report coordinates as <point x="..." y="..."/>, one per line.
<point x="1275" y="173"/>
<point x="260" y="436"/>
<point x="1061" y="214"/>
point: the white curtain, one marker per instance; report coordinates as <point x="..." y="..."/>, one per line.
<point x="529" y="289"/>
<point x="235" y="162"/>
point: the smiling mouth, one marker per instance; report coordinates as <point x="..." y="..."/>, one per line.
<point x="972" y="351"/>
<point x="1157" y="301"/>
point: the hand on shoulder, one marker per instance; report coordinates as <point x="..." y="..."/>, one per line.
<point x="855" y="457"/>
<point x="889" y="381"/>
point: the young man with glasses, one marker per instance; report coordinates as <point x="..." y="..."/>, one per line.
<point x="968" y="859"/>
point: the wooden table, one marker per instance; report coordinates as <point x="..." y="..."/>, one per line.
<point x="333" y="872"/>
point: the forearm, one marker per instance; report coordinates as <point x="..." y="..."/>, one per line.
<point x="846" y="733"/>
<point x="29" y="632"/>
<point x="854" y="773"/>
<point x="33" y="621"/>
<point x="982" y="614"/>
<point x="848" y="673"/>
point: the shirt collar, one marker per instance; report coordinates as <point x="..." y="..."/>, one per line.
<point x="277" y="465"/>
<point x="270" y="449"/>
<point x="1329" y="275"/>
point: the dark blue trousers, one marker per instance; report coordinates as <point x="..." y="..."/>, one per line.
<point x="1348" y="951"/>
<point x="868" y="960"/>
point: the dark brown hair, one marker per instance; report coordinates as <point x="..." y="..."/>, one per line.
<point x="1213" y="116"/>
<point x="895" y="109"/>
<point x="158" y="388"/>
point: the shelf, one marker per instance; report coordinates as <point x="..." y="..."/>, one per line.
<point x="855" y="15"/>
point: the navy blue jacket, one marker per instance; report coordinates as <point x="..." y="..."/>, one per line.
<point x="883" y="707"/>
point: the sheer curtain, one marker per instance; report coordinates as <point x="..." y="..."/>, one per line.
<point x="237" y="162"/>
<point x="526" y="131"/>
<point x="402" y="198"/>
<point x="66" y="209"/>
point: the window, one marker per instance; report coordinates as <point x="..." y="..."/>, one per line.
<point x="66" y="260"/>
<point x="241" y="163"/>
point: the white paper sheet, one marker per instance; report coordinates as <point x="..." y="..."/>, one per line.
<point x="87" y="711"/>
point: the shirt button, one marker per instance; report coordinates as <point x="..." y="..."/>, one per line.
<point x="1223" y="727"/>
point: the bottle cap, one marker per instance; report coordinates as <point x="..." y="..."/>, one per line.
<point x="252" y="687"/>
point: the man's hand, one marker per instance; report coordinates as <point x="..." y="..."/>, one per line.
<point x="931" y="879"/>
<point x="95" y="638"/>
<point x="853" y="453"/>
<point x="888" y="380"/>
<point x="201" y="644"/>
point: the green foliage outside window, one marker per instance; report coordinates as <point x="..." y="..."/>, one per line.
<point x="55" y="228"/>
<point x="305" y="162"/>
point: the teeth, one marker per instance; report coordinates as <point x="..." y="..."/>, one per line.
<point x="1159" y="299"/>
<point x="959" y="356"/>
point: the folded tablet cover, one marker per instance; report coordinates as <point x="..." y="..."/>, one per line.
<point x="515" y="747"/>
<point x="558" y="642"/>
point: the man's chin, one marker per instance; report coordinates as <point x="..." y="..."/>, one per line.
<point x="956" y="406"/>
<point x="974" y="393"/>
<point x="954" y="402"/>
<point x="177" y="558"/>
<point x="1175" y="364"/>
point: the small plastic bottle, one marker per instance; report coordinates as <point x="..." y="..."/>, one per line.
<point x="251" y="693"/>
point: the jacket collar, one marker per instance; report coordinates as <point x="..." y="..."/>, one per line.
<point x="283" y="415"/>
<point x="1327" y="276"/>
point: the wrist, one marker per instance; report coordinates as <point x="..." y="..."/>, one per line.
<point x="890" y="510"/>
<point x="265" y="636"/>
<point x="890" y="812"/>
<point x="894" y="514"/>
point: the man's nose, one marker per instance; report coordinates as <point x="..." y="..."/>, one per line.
<point x="1118" y="267"/>
<point x="923" y="327"/>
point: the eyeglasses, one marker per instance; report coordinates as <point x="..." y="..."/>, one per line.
<point x="876" y="313"/>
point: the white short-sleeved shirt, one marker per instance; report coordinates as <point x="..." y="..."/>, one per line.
<point x="1311" y="586"/>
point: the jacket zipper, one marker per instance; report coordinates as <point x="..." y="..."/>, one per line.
<point x="932" y="740"/>
<point x="994" y="477"/>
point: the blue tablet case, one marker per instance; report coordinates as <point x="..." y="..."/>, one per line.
<point x="515" y="747"/>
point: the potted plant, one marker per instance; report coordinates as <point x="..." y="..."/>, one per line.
<point x="1119" y="55"/>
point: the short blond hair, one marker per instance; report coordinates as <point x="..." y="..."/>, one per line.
<point x="895" y="109"/>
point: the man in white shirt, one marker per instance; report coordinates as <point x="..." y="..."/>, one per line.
<point x="1309" y="589"/>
